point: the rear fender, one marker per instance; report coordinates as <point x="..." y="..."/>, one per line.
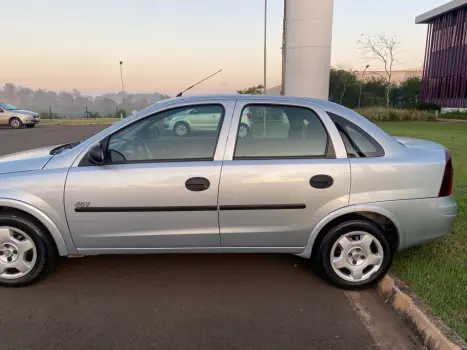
<point x="371" y="208"/>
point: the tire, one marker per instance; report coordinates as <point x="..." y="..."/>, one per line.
<point x="16" y="123"/>
<point x="15" y="243"/>
<point x="30" y="126"/>
<point x="243" y="131"/>
<point x="181" y="129"/>
<point x="354" y="254"/>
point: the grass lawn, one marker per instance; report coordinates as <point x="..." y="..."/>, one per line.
<point x="437" y="271"/>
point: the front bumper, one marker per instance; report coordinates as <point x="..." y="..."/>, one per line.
<point x="31" y="121"/>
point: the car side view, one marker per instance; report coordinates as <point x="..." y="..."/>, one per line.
<point x="17" y="118"/>
<point x="312" y="178"/>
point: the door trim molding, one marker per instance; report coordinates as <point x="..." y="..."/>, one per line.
<point x="296" y="206"/>
<point x="144" y="209"/>
<point x="263" y="207"/>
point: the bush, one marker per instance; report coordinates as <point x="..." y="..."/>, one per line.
<point x="454" y="115"/>
<point x="428" y="107"/>
<point x="380" y="114"/>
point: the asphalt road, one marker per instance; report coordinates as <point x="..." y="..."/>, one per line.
<point x="187" y="301"/>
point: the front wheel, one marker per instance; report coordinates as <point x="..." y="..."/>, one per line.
<point x="354" y="254"/>
<point x="16" y="123"/>
<point x="26" y="252"/>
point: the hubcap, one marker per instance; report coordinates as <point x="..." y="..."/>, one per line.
<point x="356" y="256"/>
<point x="181" y="130"/>
<point x="15" y="123"/>
<point x="243" y="131"/>
<point x="18" y="253"/>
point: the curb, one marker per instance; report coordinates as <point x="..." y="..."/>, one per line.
<point x="431" y="334"/>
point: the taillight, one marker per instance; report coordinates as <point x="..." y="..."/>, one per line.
<point x="446" y="185"/>
<point x="248" y="115"/>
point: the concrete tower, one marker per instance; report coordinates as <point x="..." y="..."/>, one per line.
<point x="307" y="47"/>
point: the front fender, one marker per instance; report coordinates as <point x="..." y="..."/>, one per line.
<point x="60" y="235"/>
<point x="368" y="207"/>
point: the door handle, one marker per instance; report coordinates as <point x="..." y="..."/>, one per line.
<point x="321" y="181"/>
<point x="197" y="184"/>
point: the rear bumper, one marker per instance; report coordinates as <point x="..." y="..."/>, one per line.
<point x="423" y="220"/>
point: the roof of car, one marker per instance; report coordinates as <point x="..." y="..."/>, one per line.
<point x="323" y="103"/>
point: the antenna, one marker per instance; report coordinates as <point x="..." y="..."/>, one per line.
<point x="199" y="82"/>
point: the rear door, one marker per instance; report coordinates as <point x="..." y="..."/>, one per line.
<point x="280" y="181"/>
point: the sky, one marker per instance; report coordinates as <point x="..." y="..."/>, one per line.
<point x="167" y="45"/>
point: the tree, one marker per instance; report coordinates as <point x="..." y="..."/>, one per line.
<point x="385" y="50"/>
<point x="10" y="93"/>
<point x="253" y="90"/>
<point x="343" y="87"/>
<point x="411" y="88"/>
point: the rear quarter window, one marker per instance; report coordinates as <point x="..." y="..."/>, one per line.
<point x="358" y="143"/>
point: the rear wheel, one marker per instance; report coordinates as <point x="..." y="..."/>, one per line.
<point x="16" y="123"/>
<point x="181" y="129"/>
<point x="26" y="252"/>
<point x="243" y="131"/>
<point x="354" y="254"/>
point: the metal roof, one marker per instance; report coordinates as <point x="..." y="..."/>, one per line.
<point x="439" y="11"/>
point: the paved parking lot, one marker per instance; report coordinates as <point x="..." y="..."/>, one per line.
<point x="187" y="301"/>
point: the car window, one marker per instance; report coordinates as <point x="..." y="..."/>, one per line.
<point x="276" y="131"/>
<point x="358" y="143"/>
<point x="173" y="135"/>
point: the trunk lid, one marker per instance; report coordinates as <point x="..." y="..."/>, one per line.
<point x="414" y="142"/>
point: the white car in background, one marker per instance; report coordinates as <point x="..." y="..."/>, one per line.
<point x="17" y="118"/>
<point x="203" y="119"/>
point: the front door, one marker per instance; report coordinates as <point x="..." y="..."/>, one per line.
<point x="281" y="180"/>
<point x="156" y="191"/>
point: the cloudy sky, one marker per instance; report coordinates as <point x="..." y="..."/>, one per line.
<point x="167" y="45"/>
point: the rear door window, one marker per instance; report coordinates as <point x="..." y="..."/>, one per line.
<point x="279" y="131"/>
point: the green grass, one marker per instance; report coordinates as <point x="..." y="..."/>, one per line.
<point x="78" y="121"/>
<point x="454" y="115"/>
<point x="437" y="271"/>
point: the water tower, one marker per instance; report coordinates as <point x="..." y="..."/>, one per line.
<point x="307" y="47"/>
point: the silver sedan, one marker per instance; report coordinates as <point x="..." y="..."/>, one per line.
<point x="312" y="178"/>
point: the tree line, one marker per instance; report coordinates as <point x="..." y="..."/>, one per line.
<point x="74" y="103"/>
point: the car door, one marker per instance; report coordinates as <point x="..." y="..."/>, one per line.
<point x="3" y="117"/>
<point x="155" y="191"/>
<point x="205" y="118"/>
<point x="277" y="184"/>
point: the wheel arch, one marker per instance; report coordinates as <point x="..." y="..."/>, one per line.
<point x="378" y="215"/>
<point x="9" y="205"/>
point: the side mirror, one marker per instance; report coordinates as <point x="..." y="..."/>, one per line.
<point x="96" y="154"/>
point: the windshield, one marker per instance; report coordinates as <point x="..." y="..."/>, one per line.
<point x="8" y="107"/>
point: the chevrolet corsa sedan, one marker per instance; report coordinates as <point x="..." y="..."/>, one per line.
<point x="326" y="184"/>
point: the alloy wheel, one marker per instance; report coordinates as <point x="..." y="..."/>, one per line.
<point x="181" y="130"/>
<point x="242" y="131"/>
<point x="356" y="256"/>
<point x="18" y="253"/>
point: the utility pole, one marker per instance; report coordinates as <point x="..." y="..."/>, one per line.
<point x="123" y="86"/>
<point x="265" y="60"/>
<point x="361" y="86"/>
